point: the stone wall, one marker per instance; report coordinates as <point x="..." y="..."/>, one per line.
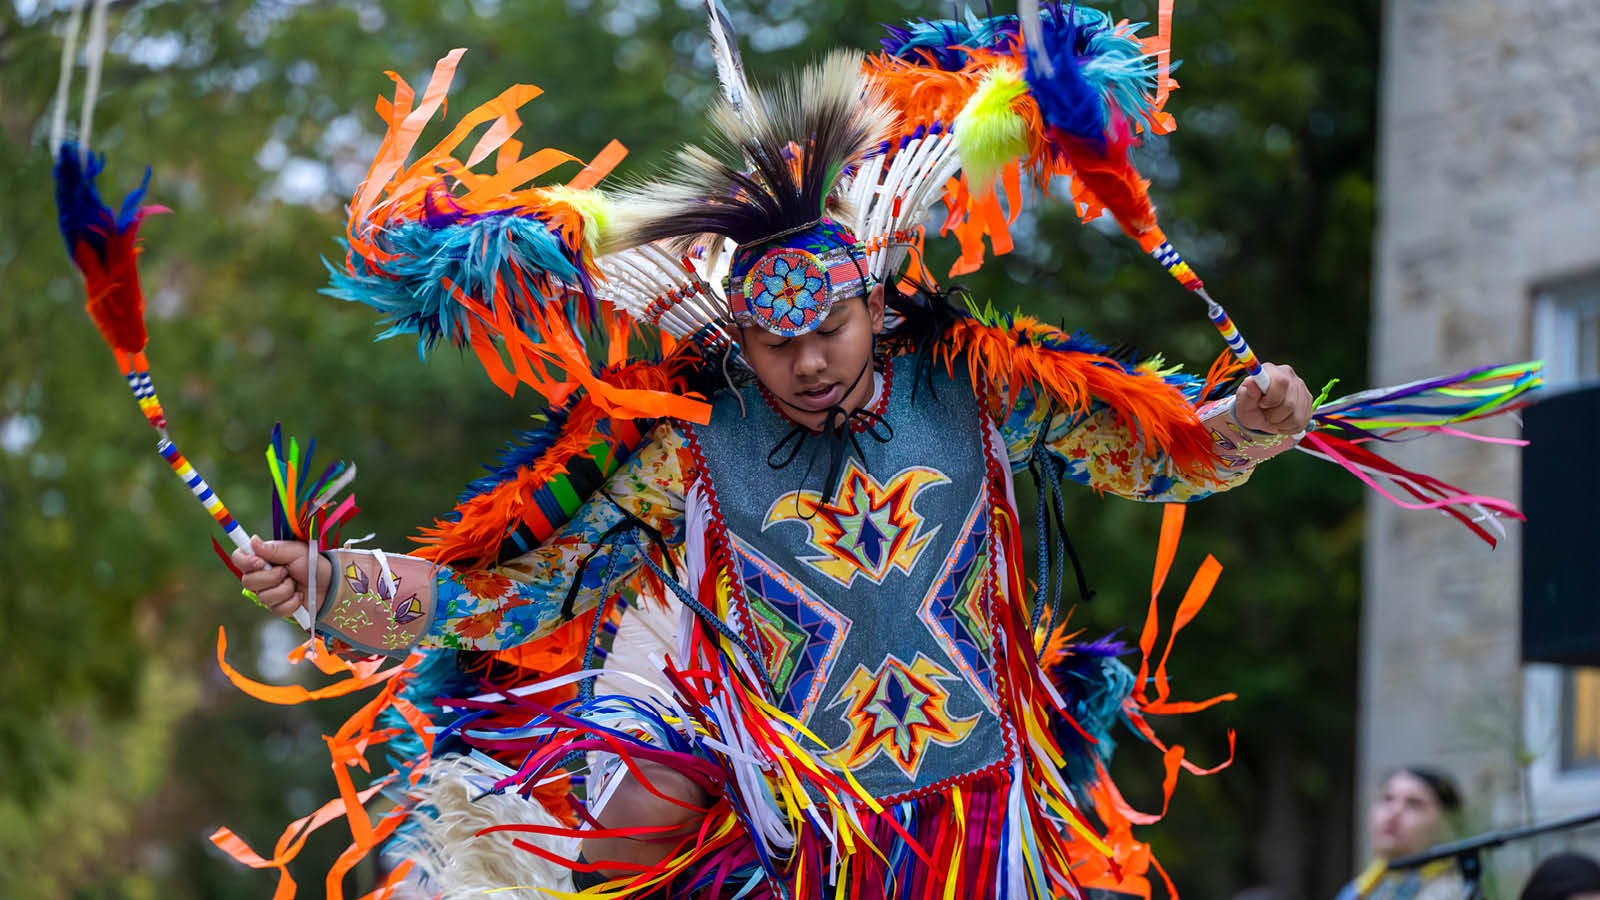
<point x="1489" y="181"/>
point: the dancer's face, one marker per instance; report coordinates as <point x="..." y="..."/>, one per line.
<point x="815" y="371"/>
<point x="1406" y="817"/>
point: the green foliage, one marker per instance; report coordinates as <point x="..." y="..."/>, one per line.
<point x="123" y="748"/>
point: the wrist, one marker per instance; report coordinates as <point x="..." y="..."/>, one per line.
<point x="377" y="602"/>
<point x="1237" y="445"/>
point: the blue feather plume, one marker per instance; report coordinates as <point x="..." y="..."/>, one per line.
<point x="82" y="216"/>
<point x="1095" y="67"/>
<point x="1094" y="684"/>
<point x="472" y="253"/>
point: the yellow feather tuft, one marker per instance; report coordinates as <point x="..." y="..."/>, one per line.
<point x="592" y="205"/>
<point x="990" y="133"/>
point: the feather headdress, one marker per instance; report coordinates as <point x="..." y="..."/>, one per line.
<point x="774" y="165"/>
<point x="725" y="52"/>
<point x="770" y="183"/>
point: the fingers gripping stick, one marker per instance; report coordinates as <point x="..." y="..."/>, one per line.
<point x="213" y="504"/>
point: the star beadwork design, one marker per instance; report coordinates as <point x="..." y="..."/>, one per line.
<point x="867" y="529"/>
<point x="897" y="711"/>
<point x="954" y="609"/>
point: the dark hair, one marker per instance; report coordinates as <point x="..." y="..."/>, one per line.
<point x="1562" y="876"/>
<point x="1442" y="785"/>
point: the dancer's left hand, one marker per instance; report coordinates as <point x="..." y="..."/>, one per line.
<point x="1285" y="408"/>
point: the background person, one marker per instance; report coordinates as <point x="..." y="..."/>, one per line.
<point x="1412" y="813"/>
<point x="1564" y="876"/>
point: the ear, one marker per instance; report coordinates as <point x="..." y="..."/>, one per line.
<point x="875" y="307"/>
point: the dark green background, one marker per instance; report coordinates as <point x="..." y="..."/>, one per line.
<point x="120" y="745"/>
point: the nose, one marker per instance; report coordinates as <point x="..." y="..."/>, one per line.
<point x="809" y="360"/>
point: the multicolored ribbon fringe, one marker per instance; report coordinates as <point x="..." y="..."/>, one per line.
<point x="1345" y="430"/>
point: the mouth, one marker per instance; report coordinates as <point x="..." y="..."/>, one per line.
<point x="818" y="398"/>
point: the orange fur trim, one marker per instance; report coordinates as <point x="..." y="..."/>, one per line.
<point x="922" y="94"/>
<point x="1002" y="361"/>
<point x="473" y="539"/>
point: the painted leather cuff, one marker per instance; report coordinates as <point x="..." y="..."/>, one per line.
<point x="1237" y="446"/>
<point x="378" y="603"/>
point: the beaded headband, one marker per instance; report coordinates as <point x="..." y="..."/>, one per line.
<point x="788" y="283"/>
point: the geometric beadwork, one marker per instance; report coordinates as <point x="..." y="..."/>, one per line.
<point x="954" y="607"/>
<point x="799" y="635"/>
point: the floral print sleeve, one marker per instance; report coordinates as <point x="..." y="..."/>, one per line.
<point x="1101" y="453"/>
<point x="528" y="597"/>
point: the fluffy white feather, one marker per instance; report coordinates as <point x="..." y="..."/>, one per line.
<point x="453" y="863"/>
<point x="725" y="51"/>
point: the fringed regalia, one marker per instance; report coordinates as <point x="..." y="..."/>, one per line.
<point x="830" y="631"/>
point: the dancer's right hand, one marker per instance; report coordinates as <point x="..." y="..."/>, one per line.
<point x="276" y="572"/>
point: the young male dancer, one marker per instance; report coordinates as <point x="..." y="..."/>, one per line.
<point x="857" y="653"/>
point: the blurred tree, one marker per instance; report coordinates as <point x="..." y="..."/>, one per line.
<point x="123" y="747"/>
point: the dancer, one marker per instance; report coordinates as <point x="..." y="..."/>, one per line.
<point x="778" y="465"/>
<point x="857" y="651"/>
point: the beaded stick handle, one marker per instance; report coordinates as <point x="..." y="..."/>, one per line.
<point x="1161" y="250"/>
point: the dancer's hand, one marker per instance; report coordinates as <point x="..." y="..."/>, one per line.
<point x="276" y="572"/>
<point x="1284" y="409"/>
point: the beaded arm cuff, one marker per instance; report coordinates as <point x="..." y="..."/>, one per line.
<point x="1238" y="446"/>
<point x="378" y="602"/>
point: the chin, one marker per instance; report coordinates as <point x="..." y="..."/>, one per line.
<point x="1391" y="850"/>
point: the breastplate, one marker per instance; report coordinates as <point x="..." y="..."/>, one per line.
<point x="870" y="608"/>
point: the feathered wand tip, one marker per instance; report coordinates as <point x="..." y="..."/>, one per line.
<point x="1093" y="82"/>
<point x="104" y="246"/>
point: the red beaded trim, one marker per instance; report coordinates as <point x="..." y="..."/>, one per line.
<point x="997" y="597"/>
<point x="719" y="548"/>
<point x="899" y="237"/>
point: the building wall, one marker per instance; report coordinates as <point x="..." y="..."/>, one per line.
<point x="1489" y="181"/>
